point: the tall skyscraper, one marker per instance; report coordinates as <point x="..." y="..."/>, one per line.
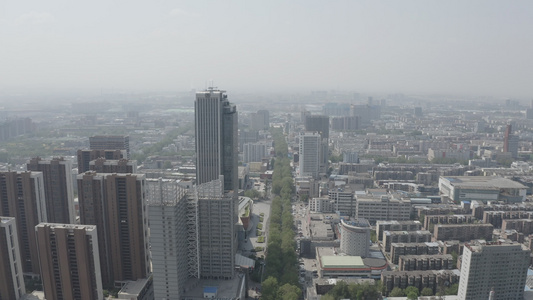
<point x="22" y="197"/>
<point x="115" y="204"/>
<point x="320" y="124"/>
<point x="110" y="142"/>
<point x="167" y="207"/>
<point x="11" y="279"/>
<point x="70" y="266"/>
<point x="216" y="138"/>
<point x="57" y="174"/>
<point x="493" y="266"/>
<point x="218" y="216"/>
<point x="310" y="146"/>
<point x="510" y="142"/>
<point x="260" y="120"/>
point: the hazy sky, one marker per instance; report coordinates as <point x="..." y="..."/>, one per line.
<point x="457" y="47"/>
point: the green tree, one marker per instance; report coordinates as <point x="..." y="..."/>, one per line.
<point x="454" y="259"/>
<point x="412" y="296"/>
<point x="452" y="290"/>
<point x="426" y="292"/>
<point x="411" y="289"/>
<point x="269" y="289"/>
<point x="289" y="292"/>
<point x="397" y="292"/>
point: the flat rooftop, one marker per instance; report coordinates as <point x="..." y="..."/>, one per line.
<point x="483" y="182"/>
<point x="226" y="289"/>
<point x="342" y="262"/>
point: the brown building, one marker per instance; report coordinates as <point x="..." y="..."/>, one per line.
<point x="418" y="236"/>
<point x="463" y="232"/>
<point x="86" y="156"/>
<point x="399" y="249"/>
<point x="396" y="226"/>
<point x="425" y="262"/>
<point x="102" y="165"/>
<point x="524" y="226"/>
<point x="434" y="280"/>
<point x="11" y="279"/>
<point x="59" y="196"/>
<point x="22" y="197"/>
<point x="69" y="261"/>
<point x="110" y="142"/>
<point x="431" y="220"/>
<point x="115" y="204"/>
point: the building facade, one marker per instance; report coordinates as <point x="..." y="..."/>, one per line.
<point x="355" y="237"/>
<point x="11" y="279"/>
<point x="115" y="203"/>
<point x="167" y="207"/>
<point x="22" y="197"/>
<point x="310" y="144"/>
<point x="70" y="262"/>
<point x="58" y="188"/>
<point x="86" y="156"/>
<point x="498" y="267"/>
<point x="383" y="208"/>
<point x="102" y="165"/>
<point x="216" y="138"/>
<point x="110" y="142"/>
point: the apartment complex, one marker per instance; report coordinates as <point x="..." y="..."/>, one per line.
<point x="58" y="188"/>
<point x="11" y="279"/>
<point x="497" y="267"/>
<point x="463" y="232"/>
<point x="425" y="262"/>
<point x="115" y="204"/>
<point x="394" y="225"/>
<point x="22" y="197"/>
<point x="70" y="262"/>
<point x="390" y="237"/>
<point x="382" y="208"/>
<point x="102" y="165"/>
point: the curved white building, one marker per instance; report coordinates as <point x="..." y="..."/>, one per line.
<point x="355" y="237"/>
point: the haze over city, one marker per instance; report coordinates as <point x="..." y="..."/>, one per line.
<point x="452" y="47"/>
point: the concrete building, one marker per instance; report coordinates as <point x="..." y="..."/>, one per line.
<point x="355" y="237"/>
<point x="58" y="188"/>
<point x="217" y="238"/>
<point x="167" y="207"/>
<point x="400" y="249"/>
<point x="216" y="138"/>
<point x="11" y="279"/>
<point x="141" y="289"/>
<point x="483" y="188"/>
<point x="260" y="120"/>
<point x="463" y="232"/>
<point x="102" y="165"/>
<point x="394" y="225"/>
<point x="435" y="280"/>
<point x="22" y="197"/>
<point x="343" y="201"/>
<point x="431" y="220"/>
<point x="383" y="208"/>
<point x="86" y="156"/>
<point x="115" y="203"/>
<point x="310" y="146"/>
<point x="350" y="157"/>
<point x="510" y="142"/>
<point x="320" y="124"/>
<point x="425" y="262"/>
<point x="70" y="263"/>
<point x="493" y="266"/>
<point x="321" y="205"/>
<point x="110" y="142"/>
<point x="390" y="237"/>
<point x="254" y="152"/>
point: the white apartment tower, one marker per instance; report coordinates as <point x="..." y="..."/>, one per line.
<point x="11" y="279"/>
<point x="496" y="266"/>
<point x="167" y="208"/>
<point x="310" y="145"/>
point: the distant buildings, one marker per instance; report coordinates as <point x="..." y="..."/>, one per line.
<point x="497" y="267"/>
<point x="86" y="156"/>
<point x="110" y="142"/>
<point x="70" y="262"/>
<point x="483" y="188"/>
<point x="310" y="147"/>
<point x="102" y="165"/>
<point x="510" y="142"/>
<point x="260" y="120"/>
<point x="254" y="152"/>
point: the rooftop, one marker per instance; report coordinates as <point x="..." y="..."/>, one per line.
<point x="342" y="262"/>
<point x="483" y="182"/>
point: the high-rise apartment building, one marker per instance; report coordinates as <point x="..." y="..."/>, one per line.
<point x="320" y="124"/>
<point x="115" y="204"/>
<point x="70" y="266"/>
<point x="217" y="238"/>
<point x="254" y="152"/>
<point x="260" y="120"/>
<point x="310" y="144"/>
<point x="497" y="267"/>
<point x="22" y="197"/>
<point x="216" y="138"/>
<point x="58" y="188"/>
<point x="167" y="207"/>
<point x="110" y="142"/>
<point x="11" y="279"/>
<point x="86" y="156"/>
<point x="510" y="142"/>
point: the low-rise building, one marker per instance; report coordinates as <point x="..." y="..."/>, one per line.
<point x="425" y="262"/>
<point x="418" y="236"/>
<point x="484" y="188"/>
<point x="419" y="279"/>
<point x="463" y="232"/>
<point x="382" y="208"/>
<point x="394" y="225"/>
<point x="399" y="249"/>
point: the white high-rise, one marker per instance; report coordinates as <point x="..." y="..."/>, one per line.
<point x="494" y="266"/>
<point x="167" y="208"/>
<point x="309" y="154"/>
